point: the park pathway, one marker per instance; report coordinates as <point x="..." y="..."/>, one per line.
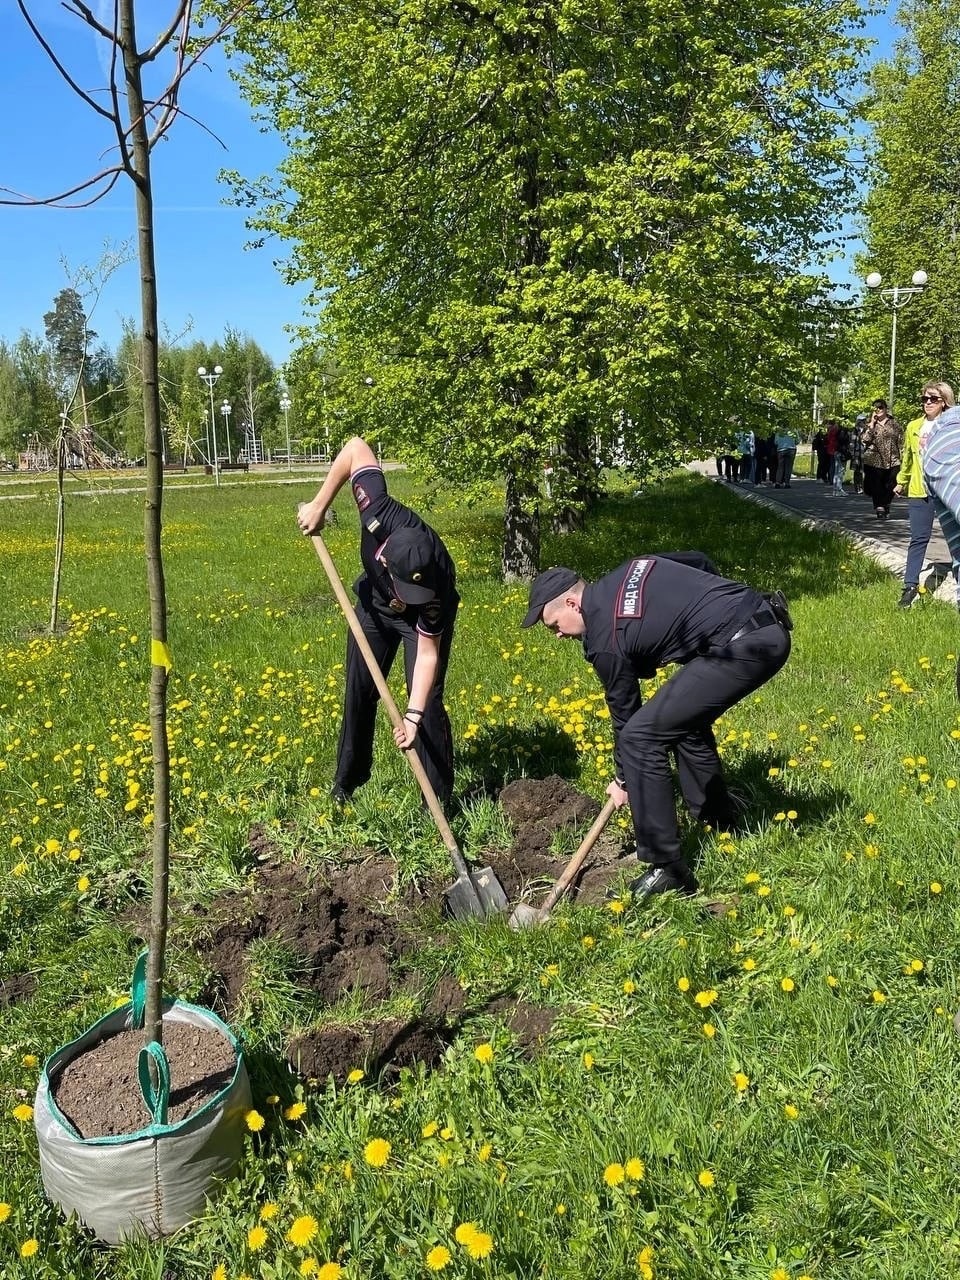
<point x="817" y="507"/>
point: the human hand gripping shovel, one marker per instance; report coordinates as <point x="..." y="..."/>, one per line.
<point x="527" y="917"/>
<point x="473" y="893"/>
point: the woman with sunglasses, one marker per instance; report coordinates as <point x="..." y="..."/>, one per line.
<point x="935" y="397"/>
<point x="882" y="440"/>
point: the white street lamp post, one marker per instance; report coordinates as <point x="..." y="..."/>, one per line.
<point x="285" y="403"/>
<point x="226" y="409"/>
<point x="895" y="297"/>
<point x="211" y="380"/>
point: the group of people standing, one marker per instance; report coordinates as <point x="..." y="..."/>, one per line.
<point x="874" y="449"/>
<point x="759" y="459"/>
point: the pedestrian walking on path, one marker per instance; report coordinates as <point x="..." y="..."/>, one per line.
<point x="934" y="399"/>
<point x="882" y="439"/>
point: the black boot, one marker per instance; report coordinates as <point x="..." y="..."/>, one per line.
<point x="673" y="877"/>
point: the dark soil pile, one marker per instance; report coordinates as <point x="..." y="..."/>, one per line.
<point x="99" y="1091"/>
<point x="18" y="987"/>
<point x="538" y="808"/>
<point x="338" y="932"/>
<point x="346" y="929"/>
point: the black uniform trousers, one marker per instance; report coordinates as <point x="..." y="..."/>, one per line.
<point x="386" y="631"/>
<point x="678" y="720"/>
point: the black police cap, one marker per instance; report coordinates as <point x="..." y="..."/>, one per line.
<point x="545" y="587"/>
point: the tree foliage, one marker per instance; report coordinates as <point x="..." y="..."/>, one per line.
<point x="536" y="226"/>
<point x="912" y="208"/>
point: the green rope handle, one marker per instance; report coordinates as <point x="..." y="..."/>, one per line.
<point x="156" y="1097"/>
<point x="138" y="991"/>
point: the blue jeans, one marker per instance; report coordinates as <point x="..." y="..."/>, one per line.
<point x="921" y="513"/>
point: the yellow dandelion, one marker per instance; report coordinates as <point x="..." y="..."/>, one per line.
<point x="254" y="1121"/>
<point x="749" y="964"/>
<point x="295" y="1111"/>
<point x="302" y="1230"/>
<point x="878" y="997"/>
<point x="480" y="1246"/>
<point x="268" y="1211"/>
<point x="588" y="1061"/>
<point x="706" y="1179"/>
<point x="377" y="1152"/>
<point x="832" y="981"/>
<point x="29" y="1248"/>
<point x="790" y="1111"/>
<point x="430" y="1129"/>
<point x="787" y="984"/>
<point x="683" y="984"/>
<point x="330" y="1271"/>
<point x="614" y="1174"/>
<point x="219" y="1272"/>
<point x="5" y="1211"/>
<point x="23" y="1113"/>
<point x="635" y="1169"/>
<point x="792" y="815"/>
<point x="483" y="1052"/>
<point x="705" y="998"/>
<point x="355" y="1076"/>
<point x="709" y="1030"/>
<point x="485" y="1152"/>
<point x="588" y="942"/>
<point x="616" y="906"/>
<point x="438" y="1258"/>
<point x="465" y="1232"/>
<point x="936" y="887"/>
<point x="780" y="1273"/>
<point x="741" y="1082"/>
<point x="916" y="966"/>
<point x="256" y="1238"/>
<point x="629" y="987"/>
<point x="83" y="884"/>
<point x="309" y="1267"/>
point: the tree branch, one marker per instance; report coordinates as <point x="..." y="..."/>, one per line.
<point x="48" y="50"/>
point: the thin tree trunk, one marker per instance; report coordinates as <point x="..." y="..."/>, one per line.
<point x="153" y="1029"/>
<point x="60" y="535"/>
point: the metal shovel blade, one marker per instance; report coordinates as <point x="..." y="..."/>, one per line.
<point x="477" y="894"/>
<point x="525" y="916"/>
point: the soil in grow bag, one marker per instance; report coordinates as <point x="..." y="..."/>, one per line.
<point x="99" y="1092"/>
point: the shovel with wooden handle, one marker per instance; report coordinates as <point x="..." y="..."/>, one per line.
<point x="473" y="893"/>
<point x="527" y="917"/>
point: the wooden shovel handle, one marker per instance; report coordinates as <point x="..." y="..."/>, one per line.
<point x="577" y="861"/>
<point x="396" y="719"/>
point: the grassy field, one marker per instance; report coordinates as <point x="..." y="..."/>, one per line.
<point x="766" y="1096"/>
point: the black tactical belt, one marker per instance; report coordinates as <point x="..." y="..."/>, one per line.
<point x="764" y="617"/>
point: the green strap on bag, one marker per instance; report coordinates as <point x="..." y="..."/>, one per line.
<point x="156" y="1097"/>
<point x="153" y="1069"/>
<point x="138" y="992"/>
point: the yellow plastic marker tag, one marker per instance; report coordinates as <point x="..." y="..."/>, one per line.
<point x="160" y="655"/>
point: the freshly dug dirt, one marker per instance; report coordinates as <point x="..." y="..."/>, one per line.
<point x="538" y="808"/>
<point x="338" y="931"/>
<point x="100" y="1093"/>
<point x="17" y="988"/>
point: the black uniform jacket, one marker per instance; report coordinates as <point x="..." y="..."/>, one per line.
<point x="652" y="611"/>
<point x="381" y="515"/>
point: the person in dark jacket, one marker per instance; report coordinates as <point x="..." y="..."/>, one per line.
<point x="407" y="595"/>
<point x="651" y="611"/>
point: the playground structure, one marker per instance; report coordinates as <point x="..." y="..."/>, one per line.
<point x="83" y="450"/>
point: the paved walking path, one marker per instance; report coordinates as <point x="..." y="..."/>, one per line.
<point x="817" y="506"/>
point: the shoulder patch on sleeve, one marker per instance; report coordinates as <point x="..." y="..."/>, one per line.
<point x="360" y="495"/>
<point x="630" y="595"/>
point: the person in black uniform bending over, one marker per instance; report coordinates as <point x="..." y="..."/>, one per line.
<point x="651" y="611"/>
<point x="406" y="595"/>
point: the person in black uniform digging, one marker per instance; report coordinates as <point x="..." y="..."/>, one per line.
<point x="406" y="595"/>
<point x="651" y="611"/>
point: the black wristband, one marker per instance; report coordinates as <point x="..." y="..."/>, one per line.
<point x="412" y="711"/>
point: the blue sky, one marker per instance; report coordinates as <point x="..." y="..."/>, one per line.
<point x="52" y="140"/>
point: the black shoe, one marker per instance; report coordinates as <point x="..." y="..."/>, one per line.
<point x="339" y="796"/>
<point x="910" y="594"/>
<point x="675" y="878"/>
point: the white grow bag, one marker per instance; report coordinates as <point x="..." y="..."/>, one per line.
<point x="156" y="1180"/>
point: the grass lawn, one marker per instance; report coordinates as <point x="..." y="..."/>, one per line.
<point x="770" y="1094"/>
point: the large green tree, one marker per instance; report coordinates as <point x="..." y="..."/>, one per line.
<point x="531" y="227"/>
<point x="912" y="208"/>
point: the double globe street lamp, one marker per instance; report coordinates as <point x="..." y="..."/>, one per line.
<point x="211" y="380"/>
<point x="896" y="296"/>
<point x="226" y="409"/>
